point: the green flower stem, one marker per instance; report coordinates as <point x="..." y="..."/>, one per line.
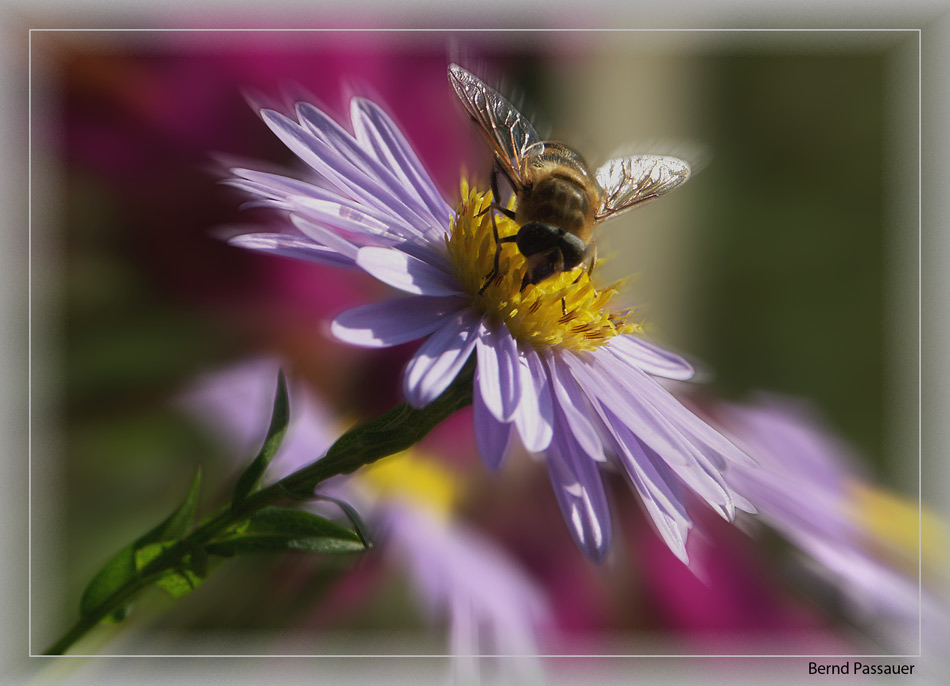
<point x="393" y="432"/>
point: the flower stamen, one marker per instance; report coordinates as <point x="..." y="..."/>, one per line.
<point x="564" y="310"/>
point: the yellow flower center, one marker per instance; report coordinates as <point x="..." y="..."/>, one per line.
<point x="893" y="524"/>
<point x="415" y="478"/>
<point x="563" y="310"/>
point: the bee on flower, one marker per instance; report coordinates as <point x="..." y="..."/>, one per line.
<point x="575" y="380"/>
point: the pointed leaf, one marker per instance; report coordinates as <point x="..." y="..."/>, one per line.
<point x="107" y="581"/>
<point x="122" y="567"/>
<point x="355" y="519"/>
<point x="179" y="521"/>
<point x="280" y="418"/>
<point x="274" y="529"/>
<point x="274" y="542"/>
<point x="296" y="522"/>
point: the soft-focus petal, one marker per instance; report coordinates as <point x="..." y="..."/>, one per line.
<point x="297" y="247"/>
<point x="655" y="483"/>
<point x="313" y="202"/>
<point x="363" y="170"/>
<point x="534" y="417"/>
<point x="574" y="408"/>
<point x="635" y="412"/>
<point x="809" y="488"/>
<point x="380" y="136"/>
<point x="721" y="450"/>
<point x="237" y="402"/>
<point x="405" y="272"/>
<point x="275" y="186"/>
<point x="491" y="436"/>
<point x="394" y="322"/>
<point x="499" y="366"/>
<point x="337" y="165"/>
<point x="579" y="490"/>
<point x="326" y="237"/>
<point x="496" y="607"/>
<point x="440" y="359"/>
<point x="359" y="222"/>
<point x="651" y="358"/>
<point x="339" y="217"/>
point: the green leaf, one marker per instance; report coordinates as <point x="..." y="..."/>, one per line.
<point x="399" y="429"/>
<point x="275" y="529"/>
<point x="107" y="581"/>
<point x="122" y="567"/>
<point x="274" y="542"/>
<point x="181" y="580"/>
<point x="296" y="522"/>
<point x="358" y="524"/>
<point x="280" y="418"/>
<point x="178" y="522"/>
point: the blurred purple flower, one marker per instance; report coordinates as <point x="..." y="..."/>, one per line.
<point x="491" y="606"/>
<point x="494" y="608"/>
<point x="576" y="387"/>
<point x="809" y="489"/>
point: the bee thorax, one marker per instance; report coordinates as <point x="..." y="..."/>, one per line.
<point x="556" y="201"/>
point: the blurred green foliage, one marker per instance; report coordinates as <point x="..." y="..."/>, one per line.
<point x="791" y="255"/>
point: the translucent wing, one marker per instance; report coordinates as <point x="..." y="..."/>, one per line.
<point x="510" y="135"/>
<point x="631" y="181"/>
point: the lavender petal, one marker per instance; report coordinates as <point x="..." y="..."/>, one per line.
<point x="338" y="166"/>
<point x="579" y="490"/>
<point x="440" y="359"/>
<point x="491" y="436"/>
<point x="574" y="408"/>
<point x="297" y="247"/>
<point x="651" y="358"/>
<point x="378" y="134"/>
<point x="381" y="325"/>
<point x="405" y="272"/>
<point x="534" y="416"/>
<point x="499" y="370"/>
<point x="326" y="237"/>
<point x="359" y="163"/>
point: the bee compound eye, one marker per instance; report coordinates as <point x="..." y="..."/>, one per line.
<point x="573" y="249"/>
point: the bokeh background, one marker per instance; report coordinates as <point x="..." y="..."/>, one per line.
<point x="788" y="264"/>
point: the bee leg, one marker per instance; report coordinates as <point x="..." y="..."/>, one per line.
<point x="493" y="274"/>
<point x="591" y="259"/>
<point x="496" y="195"/>
<point x="504" y="210"/>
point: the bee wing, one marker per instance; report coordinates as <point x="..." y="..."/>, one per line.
<point x="510" y="135"/>
<point x="629" y="182"/>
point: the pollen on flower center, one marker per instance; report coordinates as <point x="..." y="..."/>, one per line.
<point x="563" y="310"/>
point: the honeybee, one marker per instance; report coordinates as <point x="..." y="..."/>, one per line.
<point x="559" y="200"/>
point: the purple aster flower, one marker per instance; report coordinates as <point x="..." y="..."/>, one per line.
<point x="494" y="608"/>
<point x="490" y="604"/>
<point x="574" y="380"/>
<point x="861" y="539"/>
